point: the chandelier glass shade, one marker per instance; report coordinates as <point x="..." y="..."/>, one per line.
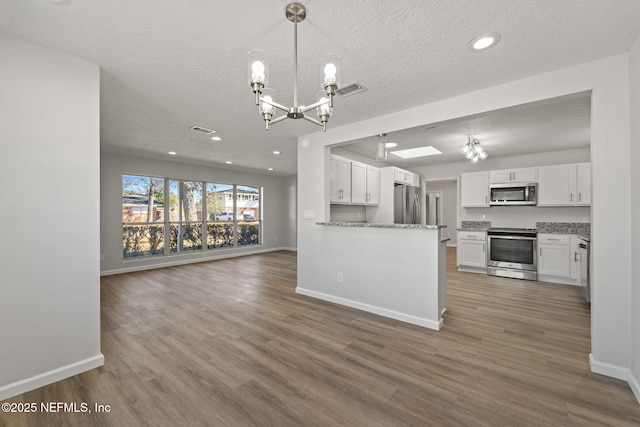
<point x="473" y="151"/>
<point x="381" y="148"/>
<point x="258" y="72"/>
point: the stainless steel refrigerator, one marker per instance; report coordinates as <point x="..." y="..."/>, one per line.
<point x="406" y="204"/>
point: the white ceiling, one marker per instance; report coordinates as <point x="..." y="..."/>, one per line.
<point x="169" y="65"/>
<point x="552" y="125"/>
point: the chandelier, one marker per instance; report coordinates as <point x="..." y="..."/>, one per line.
<point x="265" y="97"/>
<point x="473" y="151"/>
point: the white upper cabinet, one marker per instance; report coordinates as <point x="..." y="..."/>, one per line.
<point x="373" y="185"/>
<point x="358" y="183"/>
<point x="583" y="184"/>
<point x="354" y="183"/>
<point x="340" y="180"/>
<point x="402" y="176"/>
<point x="415" y="180"/>
<point x="525" y="175"/>
<point x="474" y="190"/>
<point x="564" y="185"/>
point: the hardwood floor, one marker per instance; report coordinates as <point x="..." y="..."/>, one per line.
<point x="229" y="343"/>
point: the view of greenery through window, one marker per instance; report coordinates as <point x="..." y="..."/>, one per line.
<point x="165" y="216"/>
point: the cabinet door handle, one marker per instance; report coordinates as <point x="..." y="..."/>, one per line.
<point x="571" y="197"/>
<point x="483" y="248"/>
<point x="486" y="200"/>
<point x="553" y="239"/>
<point x="575" y="256"/>
<point x="540" y="251"/>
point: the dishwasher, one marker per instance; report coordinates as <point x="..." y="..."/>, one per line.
<point x="583" y="258"/>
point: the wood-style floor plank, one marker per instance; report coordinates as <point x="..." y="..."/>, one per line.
<point x="229" y="343"/>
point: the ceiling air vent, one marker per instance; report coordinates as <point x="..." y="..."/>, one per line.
<point x="202" y="130"/>
<point x="351" y="89"/>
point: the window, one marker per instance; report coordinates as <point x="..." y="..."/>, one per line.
<point x="220" y="215"/>
<point x="186" y="225"/>
<point x="188" y="215"/>
<point x="142" y="216"/>
<point x="248" y="207"/>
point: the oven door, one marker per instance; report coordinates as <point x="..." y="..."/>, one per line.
<point x="514" y="252"/>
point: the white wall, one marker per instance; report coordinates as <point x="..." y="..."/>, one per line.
<point x="291" y="221"/>
<point x="278" y="206"/>
<point x="50" y="302"/>
<point x="634" y="82"/>
<point x="608" y="81"/>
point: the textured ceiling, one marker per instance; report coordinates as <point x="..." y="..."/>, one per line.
<point x="556" y="124"/>
<point x="168" y="65"/>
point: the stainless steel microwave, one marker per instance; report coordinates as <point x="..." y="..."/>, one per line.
<point x="513" y="194"/>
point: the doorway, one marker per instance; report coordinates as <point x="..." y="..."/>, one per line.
<point x="433" y="208"/>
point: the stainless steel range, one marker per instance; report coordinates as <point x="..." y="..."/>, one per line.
<point x="512" y="253"/>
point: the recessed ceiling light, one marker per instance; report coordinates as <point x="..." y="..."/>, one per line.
<point x="173" y="153"/>
<point x="270" y="169"/>
<point x="276" y="152"/>
<point x="390" y="144"/>
<point x="484" y="41"/>
<point x="229" y="162"/>
<point x="411" y="153"/>
<point x="216" y="138"/>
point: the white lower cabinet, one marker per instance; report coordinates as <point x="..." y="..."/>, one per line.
<point x="575" y="258"/>
<point x="472" y="251"/>
<point x="556" y="259"/>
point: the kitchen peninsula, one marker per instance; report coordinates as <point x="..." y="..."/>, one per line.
<point x="393" y="270"/>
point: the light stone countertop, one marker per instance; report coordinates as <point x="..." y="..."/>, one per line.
<point x="475" y="226"/>
<point x="582" y="229"/>
<point x="376" y="225"/>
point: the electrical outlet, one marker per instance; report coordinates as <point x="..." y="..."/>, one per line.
<point x="340" y="278"/>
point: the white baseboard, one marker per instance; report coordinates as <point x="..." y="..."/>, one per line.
<point x="175" y="261"/>
<point x="608" y="369"/>
<point x="408" y="318"/>
<point x="635" y="386"/>
<point x="46" y="378"/>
